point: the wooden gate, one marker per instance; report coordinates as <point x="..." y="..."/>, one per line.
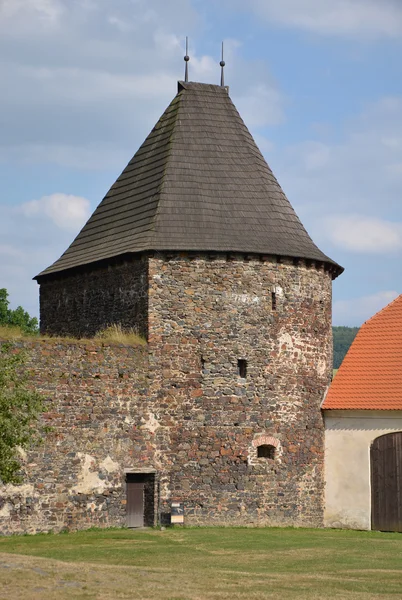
<point x="135" y="504"/>
<point x="141" y="499"/>
<point x="386" y="482"/>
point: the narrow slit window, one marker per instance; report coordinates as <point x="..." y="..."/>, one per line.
<point x="242" y="368"/>
<point x="202" y="364"/>
<point x="266" y="451"/>
<point x="273" y="300"/>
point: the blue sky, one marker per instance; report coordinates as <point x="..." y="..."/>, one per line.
<point x="318" y="82"/>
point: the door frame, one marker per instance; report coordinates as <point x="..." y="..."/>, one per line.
<point x="397" y="474"/>
<point x="151" y="495"/>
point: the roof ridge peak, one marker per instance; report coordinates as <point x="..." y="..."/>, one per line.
<point x="201" y="86"/>
<point x="383" y="309"/>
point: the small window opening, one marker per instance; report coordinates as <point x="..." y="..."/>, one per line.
<point x="202" y="364"/>
<point x="266" y="451"/>
<point x="242" y="368"/>
<point x="273" y="300"/>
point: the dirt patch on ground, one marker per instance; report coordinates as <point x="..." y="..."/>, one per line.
<point x="23" y="577"/>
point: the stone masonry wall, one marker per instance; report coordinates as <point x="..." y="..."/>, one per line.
<point x="96" y="406"/>
<point x="204" y="315"/>
<point x="179" y="407"/>
<point x="80" y="304"/>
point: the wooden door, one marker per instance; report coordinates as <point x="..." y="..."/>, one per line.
<point x="135" y="504"/>
<point x="386" y="482"/>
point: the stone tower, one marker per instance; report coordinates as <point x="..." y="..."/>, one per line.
<point x="197" y="247"/>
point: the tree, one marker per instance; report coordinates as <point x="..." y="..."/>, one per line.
<point x="20" y="408"/>
<point x="17" y="317"/>
<point x="343" y="338"/>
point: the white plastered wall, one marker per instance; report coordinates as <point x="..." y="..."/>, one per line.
<point x="348" y="437"/>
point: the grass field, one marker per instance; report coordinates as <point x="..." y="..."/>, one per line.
<point x="198" y="563"/>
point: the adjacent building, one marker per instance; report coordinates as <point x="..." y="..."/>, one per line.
<point x="363" y="422"/>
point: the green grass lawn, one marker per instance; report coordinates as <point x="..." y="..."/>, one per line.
<point x="198" y="563"/>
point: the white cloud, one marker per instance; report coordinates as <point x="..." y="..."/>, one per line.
<point x="7" y="251"/>
<point x="395" y="169"/>
<point x="166" y="42"/>
<point x="21" y="13"/>
<point x="28" y="245"/>
<point x="265" y="145"/>
<point x="70" y="86"/>
<point x="65" y="211"/>
<point x="100" y="156"/>
<point x="333" y="17"/>
<point x="358" y="175"/>
<point x="261" y="106"/>
<point x="355" y="311"/>
<point x="359" y="233"/>
<point x="33" y="235"/>
<point x="86" y="81"/>
<point x="316" y="155"/>
<point x="121" y="24"/>
<point x="91" y="90"/>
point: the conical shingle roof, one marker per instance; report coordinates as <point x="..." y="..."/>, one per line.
<point x="197" y="183"/>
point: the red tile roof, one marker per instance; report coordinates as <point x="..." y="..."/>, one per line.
<point x="370" y="376"/>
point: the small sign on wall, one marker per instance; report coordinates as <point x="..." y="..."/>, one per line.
<point x="177" y="512"/>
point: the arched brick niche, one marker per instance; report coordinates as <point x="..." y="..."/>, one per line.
<point x="264" y="448"/>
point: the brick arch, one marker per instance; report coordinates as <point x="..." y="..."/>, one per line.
<point x="261" y="440"/>
<point x="267" y="440"/>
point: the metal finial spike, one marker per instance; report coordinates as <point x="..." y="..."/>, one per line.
<point x="222" y="64"/>
<point x="186" y="59"/>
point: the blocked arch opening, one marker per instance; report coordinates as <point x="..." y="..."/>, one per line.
<point x="266" y="451"/>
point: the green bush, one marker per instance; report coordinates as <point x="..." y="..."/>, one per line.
<point x="17" y="317"/>
<point x="20" y="408"/>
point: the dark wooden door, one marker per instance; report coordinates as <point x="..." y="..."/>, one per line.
<point x="135" y="504"/>
<point x="386" y="482"/>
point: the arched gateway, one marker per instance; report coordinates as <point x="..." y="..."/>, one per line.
<point x="386" y="482"/>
